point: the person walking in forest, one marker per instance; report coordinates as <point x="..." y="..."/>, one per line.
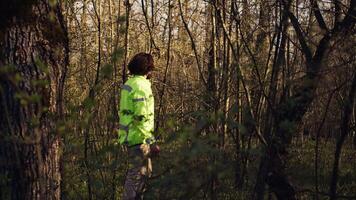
<point x="137" y="124"/>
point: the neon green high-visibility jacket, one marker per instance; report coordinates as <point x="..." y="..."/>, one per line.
<point x="136" y="112"/>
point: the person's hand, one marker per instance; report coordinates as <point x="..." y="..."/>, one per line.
<point x="154" y="150"/>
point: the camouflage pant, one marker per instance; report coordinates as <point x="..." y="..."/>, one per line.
<point x="140" y="168"/>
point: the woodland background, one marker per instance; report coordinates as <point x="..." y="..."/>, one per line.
<point x="254" y="99"/>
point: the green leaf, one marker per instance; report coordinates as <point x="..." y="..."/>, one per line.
<point x="88" y="103"/>
<point x="41" y="66"/>
<point x="40" y="82"/>
<point x="117" y="54"/>
<point x="35" y="98"/>
<point x="107" y="70"/>
<point x="52" y="3"/>
<point x="121" y="18"/>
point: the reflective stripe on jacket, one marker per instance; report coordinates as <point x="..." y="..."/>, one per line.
<point x="136" y="112"/>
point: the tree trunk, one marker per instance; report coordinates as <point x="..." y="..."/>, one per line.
<point x="33" y="65"/>
<point x="272" y="98"/>
<point x="128" y="5"/>
<point x="291" y="110"/>
<point x="345" y="129"/>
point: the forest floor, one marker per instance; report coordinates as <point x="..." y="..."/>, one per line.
<point x="302" y="168"/>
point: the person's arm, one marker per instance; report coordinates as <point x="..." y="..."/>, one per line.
<point x="142" y="116"/>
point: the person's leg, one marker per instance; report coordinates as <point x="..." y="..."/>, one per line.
<point x="140" y="169"/>
<point x="134" y="179"/>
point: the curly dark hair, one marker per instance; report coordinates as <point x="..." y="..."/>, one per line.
<point x="141" y="64"/>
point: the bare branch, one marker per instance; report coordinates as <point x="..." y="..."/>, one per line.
<point x="192" y="43"/>
<point x="305" y="48"/>
<point x="242" y="75"/>
<point x="148" y="25"/>
<point x="349" y="21"/>
<point x="319" y="17"/>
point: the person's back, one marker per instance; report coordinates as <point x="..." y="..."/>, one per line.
<point x="136" y="111"/>
<point x="137" y="124"/>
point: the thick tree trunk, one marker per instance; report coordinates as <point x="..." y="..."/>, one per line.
<point x="33" y="63"/>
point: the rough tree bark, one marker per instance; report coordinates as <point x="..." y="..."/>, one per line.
<point x="33" y="64"/>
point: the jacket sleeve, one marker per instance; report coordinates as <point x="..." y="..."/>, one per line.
<point x="141" y="117"/>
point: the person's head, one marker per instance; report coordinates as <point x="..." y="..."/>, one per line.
<point x="141" y="64"/>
